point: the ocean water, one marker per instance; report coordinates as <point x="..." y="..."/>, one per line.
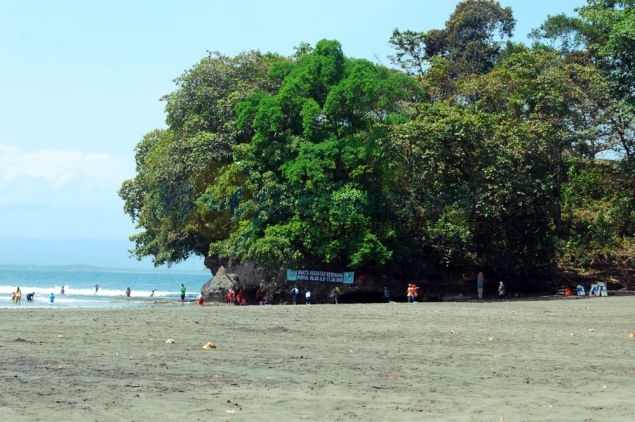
<point x="79" y="286"/>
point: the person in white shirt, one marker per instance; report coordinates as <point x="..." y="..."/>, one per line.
<point x="501" y="289"/>
<point x="294" y="294"/>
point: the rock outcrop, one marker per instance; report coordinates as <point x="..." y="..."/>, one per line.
<point x="216" y="289"/>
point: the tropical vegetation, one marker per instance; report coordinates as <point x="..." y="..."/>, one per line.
<point x="470" y="152"/>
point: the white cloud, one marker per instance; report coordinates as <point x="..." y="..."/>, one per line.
<point x="58" y="177"/>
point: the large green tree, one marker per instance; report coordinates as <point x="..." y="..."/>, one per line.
<point x="599" y="218"/>
<point x="314" y="165"/>
<point x="175" y="166"/>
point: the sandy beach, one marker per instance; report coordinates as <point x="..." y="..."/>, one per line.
<point x="530" y="360"/>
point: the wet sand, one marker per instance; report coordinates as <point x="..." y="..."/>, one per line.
<point x="535" y="360"/>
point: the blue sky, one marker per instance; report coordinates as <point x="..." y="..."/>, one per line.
<point x="81" y="82"/>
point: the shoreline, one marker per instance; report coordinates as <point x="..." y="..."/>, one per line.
<point x="136" y="302"/>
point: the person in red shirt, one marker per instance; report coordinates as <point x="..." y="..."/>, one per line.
<point x="230" y="297"/>
<point x="261" y="296"/>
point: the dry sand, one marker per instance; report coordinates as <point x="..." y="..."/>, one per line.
<point x="537" y="360"/>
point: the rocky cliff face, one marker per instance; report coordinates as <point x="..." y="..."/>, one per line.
<point x="215" y="290"/>
<point x="246" y="276"/>
<point x="272" y="282"/>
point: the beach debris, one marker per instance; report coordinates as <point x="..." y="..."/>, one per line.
<point x="169" y="341"/>
<point x="208" y="346"/>
<point x="631" y="334"/>
<point x="591" y="330"/>
<point x="490" y="338"/>
<point x="236" y="405"/>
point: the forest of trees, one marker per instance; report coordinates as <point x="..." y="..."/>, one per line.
<point x="469" y="152"/>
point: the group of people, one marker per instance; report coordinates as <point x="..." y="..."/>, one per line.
<point x="236" y="298"/>
<point x="16" y="296"/>
<point x="295" y="292"/>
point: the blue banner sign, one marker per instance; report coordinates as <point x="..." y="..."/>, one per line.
<point x="320" y="276"/>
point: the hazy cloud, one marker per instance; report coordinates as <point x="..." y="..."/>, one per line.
<point x="59" y="177"/>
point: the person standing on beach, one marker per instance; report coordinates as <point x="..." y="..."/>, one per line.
<point x="501" y="290"/>
<point x="332" y="296"/>
<point x="182" y="293"/>
<point x="128" y="291"/>
<point x="294" y="294"/>
<point x="335" y="295"/>
<point x="18" y="296"/>
<point x="96" y="288"/>
<point x="52" y="298"/>
<point x="240" y="297"/>
<point x="307" y="296"/>
<point x="260" y="295"/>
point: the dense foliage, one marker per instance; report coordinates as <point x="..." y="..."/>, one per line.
<point x="471" y="153"/>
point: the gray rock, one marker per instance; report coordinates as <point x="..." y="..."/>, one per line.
<point x="216" y="289"/>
